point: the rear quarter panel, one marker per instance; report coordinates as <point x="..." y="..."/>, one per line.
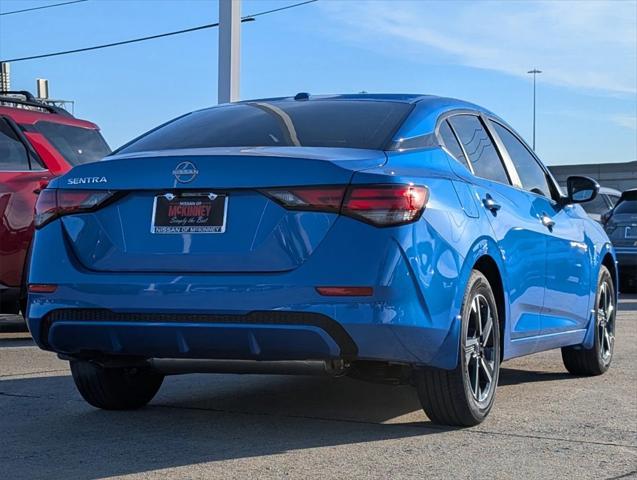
<point x="442" y="247"/>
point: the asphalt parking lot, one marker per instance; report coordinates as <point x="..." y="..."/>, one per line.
<point x="546" y="424"/>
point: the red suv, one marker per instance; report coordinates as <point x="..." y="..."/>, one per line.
<point x="37" y="143"/>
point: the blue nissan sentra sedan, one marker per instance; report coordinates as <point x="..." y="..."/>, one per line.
<point x="397" y="238"/>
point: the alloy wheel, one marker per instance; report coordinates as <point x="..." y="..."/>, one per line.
<point x="605" y="321"/>
<point x="480" y="349"/>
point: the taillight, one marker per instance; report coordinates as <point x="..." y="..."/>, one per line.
<point x="52" y="203"/>
<point x="380" y="205"/>
<point x="326" y="199"/>
<point x="385" y="205"/>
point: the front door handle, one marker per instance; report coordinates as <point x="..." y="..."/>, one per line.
<point x="547" y="221"/>
<point x="491" y="204"/>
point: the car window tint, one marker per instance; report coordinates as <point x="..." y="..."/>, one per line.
<point x="13" y="154"/>
<point x="613" y="200"/>
<point x="476" y="141"/>
<point x="451" y="142"/>
<point x="280" y="123"/>
<point x="629" y="206"/>
<point x="531" y="174"/>
<point x="77" y="145"/>
<point x="597" y="205"/>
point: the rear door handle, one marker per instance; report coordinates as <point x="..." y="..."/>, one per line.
<point x="491" y="204"/>
<point x="547" y="221"/>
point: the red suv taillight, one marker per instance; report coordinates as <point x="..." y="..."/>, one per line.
<point x="52" y="203"/>
<point x="380" y="205"/>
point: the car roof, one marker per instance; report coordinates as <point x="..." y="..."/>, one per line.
<point x="628" y="195"/>
<point x="25" y="116"/>
<point x="609" y="191"/>
<point x="424" y="100"/>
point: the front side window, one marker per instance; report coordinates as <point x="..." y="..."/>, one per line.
<point x="451" y="142"/>
<point x="531" y="174"/>
<point x="13" y="154"/>
<point x="76" y="144"/>
<point x="484" y="157"/>
<point x="280" y="123"/>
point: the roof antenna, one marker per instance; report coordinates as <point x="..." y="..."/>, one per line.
<point x="302" y="96"/>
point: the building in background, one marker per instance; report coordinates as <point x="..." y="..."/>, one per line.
<point x="620" y="176"/>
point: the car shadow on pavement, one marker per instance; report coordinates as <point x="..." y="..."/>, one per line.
<point x="513" y="376"/>
<point x="52" y="433"/>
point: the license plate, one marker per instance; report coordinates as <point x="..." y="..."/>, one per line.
<point x="189" y="213"/>
<point x="631" y="232"/>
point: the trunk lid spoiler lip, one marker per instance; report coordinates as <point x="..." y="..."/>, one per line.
<point x="332" y="154"/>
<point x="317" y="166"/>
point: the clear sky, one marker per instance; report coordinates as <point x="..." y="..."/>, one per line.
<point x="478" y="51"/>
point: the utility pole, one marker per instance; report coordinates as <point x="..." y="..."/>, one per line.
<point x="534" y="72"/>
<point x="229" y="50"/>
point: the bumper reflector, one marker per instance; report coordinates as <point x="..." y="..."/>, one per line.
<point x="345" y="291"/>
<point x="42" y="288"/>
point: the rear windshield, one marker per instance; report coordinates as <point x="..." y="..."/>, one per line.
<point x="77" y="145"/>
<point x="629" y="206"/>
<point x="319" y="123"/>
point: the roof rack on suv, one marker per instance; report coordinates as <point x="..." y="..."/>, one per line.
<point x="9" y="98"/>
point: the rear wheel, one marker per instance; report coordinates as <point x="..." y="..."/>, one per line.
<point x="464" y="396"/>
<point x="597" y="359"/>
<point x="115" y="388"/>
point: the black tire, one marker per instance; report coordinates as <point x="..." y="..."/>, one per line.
<point x="596" y="360"/>
<point x="448" y="396"/>
<point x="115" y="388"/>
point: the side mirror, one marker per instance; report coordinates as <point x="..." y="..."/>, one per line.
<point x="581" y="189"/>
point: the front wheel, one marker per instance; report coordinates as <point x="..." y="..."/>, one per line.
<point x="115" y="388"/>
<point x="597" y="359"/>
<point x="464" y="396"/>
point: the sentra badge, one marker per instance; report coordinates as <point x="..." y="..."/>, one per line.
<point x="85" y="180"/>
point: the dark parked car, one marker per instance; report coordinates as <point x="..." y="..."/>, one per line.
<point x="602" y="203"/>
<point x="621" y="225"/>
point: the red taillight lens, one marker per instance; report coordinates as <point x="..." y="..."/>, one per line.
<point x="380" y="205"/>
<point x="42" y="288"/>
<point x="386" y="204"/>
<point x="52" y="204"/>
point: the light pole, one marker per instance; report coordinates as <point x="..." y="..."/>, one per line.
<point x="534" y="72"/>
<point x="229" y="50"/>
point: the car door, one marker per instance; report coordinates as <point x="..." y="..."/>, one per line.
<point x="21" y="176"/>
<point x="515" y="227"/>
<point x="568" y="265"/>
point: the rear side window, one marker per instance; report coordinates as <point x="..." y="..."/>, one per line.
<point x="484" y="157"/>
<point x="13" y="154"/>
<point x="451" y="142"/>
<point x="280" y="123"/>
<point x="629" y="206"/>
<point x="77" y="145"/>
<point x="531" y="174"/>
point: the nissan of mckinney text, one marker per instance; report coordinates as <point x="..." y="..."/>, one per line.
<point x="394" y="237"/>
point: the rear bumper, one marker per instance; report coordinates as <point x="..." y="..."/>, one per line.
<point x="409" y="318"/>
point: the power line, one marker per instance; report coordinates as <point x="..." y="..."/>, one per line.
<point x="248" y="18"/>
<point x="42" y="7"/>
